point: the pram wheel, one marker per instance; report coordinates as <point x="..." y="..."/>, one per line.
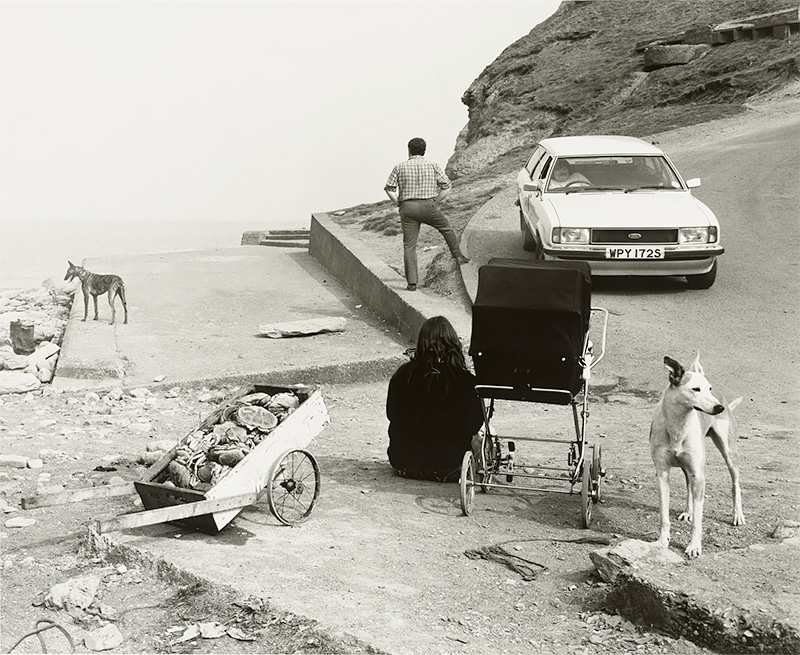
<point x="597" y="472"/>
<point x="467" y="482"/>
<point x="586" y="495"/>
<point x="485" y="476"/>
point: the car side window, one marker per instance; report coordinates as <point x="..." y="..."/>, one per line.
<point x="535" y="158"/>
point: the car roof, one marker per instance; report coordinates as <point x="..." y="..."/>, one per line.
<point x="599" y="144"/>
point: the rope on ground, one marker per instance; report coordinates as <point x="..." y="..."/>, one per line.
<point x="524" y="567"/>
<point x="41" y="626"/>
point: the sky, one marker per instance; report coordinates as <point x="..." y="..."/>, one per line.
<point x="119" y="110"/>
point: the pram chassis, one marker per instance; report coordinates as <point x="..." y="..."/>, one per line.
<point x="580" y="469"/>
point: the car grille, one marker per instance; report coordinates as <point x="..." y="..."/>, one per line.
<point x="626" y="236"/>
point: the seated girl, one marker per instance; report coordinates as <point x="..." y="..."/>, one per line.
<point x="432" y="407"/>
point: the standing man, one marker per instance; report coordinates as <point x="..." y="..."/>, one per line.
<point x="418" y="186"/>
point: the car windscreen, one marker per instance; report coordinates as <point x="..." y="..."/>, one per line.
<point x="612" y="172"/>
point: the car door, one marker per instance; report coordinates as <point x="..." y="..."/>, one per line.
<point x="536" y="214"/>
<point x="525" y="176"/>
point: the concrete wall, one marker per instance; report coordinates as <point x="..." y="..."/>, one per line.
<point x="378" y="285"/>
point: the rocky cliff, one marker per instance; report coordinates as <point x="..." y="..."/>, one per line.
<point x="580" y="72"/>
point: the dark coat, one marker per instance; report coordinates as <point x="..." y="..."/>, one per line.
<point x="427" y="430"/>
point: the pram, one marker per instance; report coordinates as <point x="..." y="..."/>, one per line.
<point x="530" y="342"/>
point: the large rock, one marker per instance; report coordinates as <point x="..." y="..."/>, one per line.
<point x="14" y="461"/>
<point x="18" y="382"/>
<point x="672" y="55"/>
<point x="75" y="592"/>
<point x="303" y="328"/>
<point x="104" y="638"/>
<point x="43" y="361"/>
<point x="631" y="554"/>
<point x="16" y="362"/>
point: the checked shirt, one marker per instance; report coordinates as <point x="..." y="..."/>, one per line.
<point x="417" y="179"/>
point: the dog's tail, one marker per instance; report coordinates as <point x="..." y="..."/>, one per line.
<point x="734" y="404"/>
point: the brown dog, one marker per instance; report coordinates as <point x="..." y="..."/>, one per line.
<point x="96" y="285"/>
<point x="686" y="414"/>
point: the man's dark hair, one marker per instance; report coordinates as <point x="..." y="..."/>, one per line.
<point x="416" y="146"/>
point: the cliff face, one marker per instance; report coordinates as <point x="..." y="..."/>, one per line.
<point x="578" y="72"/>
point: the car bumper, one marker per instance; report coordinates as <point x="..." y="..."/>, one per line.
<point x="676" y="261"/>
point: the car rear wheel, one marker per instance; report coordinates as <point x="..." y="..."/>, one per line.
<point x="704" y="280"/>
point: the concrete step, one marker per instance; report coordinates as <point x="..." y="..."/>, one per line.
<point x="255" y="238"/>
<point x="285" y="237"/>
<point x="276" y="243"/>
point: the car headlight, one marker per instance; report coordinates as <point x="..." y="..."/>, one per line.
<point x="697" y="235"/>
<point x="569" y="235"/>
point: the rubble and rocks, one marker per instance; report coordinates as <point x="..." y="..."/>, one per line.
<point x="32" y="325"/>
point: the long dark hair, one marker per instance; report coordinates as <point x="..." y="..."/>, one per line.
<point x="439" y="356"/>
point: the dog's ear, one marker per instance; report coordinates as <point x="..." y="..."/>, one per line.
<point x="696" y="366"/>
<point x="675" y="371"/>
<point x="71" y="265"/>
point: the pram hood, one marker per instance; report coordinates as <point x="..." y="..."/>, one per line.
<point x="529" y="323"/>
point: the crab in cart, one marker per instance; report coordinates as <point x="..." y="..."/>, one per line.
<point x="531" y="326"/>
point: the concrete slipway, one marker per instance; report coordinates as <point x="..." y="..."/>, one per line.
<point x="193" y="320"/>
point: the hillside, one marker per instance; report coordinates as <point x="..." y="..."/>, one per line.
<point x="579" y="72"/>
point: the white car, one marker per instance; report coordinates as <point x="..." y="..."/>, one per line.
<point x="619" y="204"/>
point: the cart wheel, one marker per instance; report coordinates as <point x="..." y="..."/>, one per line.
<point x="597" y="472"/>
<point x="293" y="486"/>
<point x="586" y="495"/>
<point x="486" y="476"/>
<point x="467" y="482"/>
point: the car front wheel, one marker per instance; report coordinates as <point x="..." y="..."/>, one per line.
<point x="531" y="243"/>
<point x="704" y="280"/>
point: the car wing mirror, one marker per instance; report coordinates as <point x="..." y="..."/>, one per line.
<point x="531" y="186"/>
<point x="693" y="183"/>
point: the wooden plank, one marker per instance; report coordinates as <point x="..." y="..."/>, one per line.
<point x="78" y="495"/>
<point x="174" y="513"/>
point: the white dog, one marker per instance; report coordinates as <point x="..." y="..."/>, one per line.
<point x="685" y="415"/>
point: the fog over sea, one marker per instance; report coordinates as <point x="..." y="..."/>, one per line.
<point x="32" y="252"/>
<point x="130" y="127"/>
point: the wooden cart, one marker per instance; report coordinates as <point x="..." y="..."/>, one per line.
<point x="279" y="465"/>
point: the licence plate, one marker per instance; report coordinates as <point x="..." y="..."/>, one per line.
<point x="634" y="253"/>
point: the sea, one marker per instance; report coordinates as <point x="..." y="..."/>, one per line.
<point x="32" y="252"/>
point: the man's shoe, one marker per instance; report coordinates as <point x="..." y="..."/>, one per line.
<point x="462" y="259"/>
<point x="412" y="287"/>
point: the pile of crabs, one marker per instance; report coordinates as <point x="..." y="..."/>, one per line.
<point x="226" y="437"/>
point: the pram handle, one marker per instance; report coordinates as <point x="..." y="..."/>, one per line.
<point x="595" y="359"/>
